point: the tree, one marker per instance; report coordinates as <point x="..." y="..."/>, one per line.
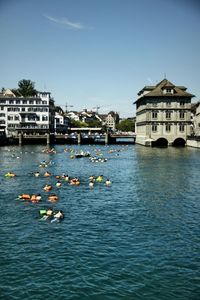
<point x="59" y="110"/>
<point x="126" y="125"/>
<point x="26" y="88"/>
<point x="94" y="123"/>
<point x="78" y="124"/>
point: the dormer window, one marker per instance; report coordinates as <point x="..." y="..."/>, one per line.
<point x="168" y="91"/>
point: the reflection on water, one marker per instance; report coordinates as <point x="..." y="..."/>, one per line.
<point x="137" y="239"/>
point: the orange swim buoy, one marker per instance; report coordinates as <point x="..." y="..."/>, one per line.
<point x="74" y="181"/>
<point x="33" y="198"/>
<point x="25" y="197"/>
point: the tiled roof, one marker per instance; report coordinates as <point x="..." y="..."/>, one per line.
<point x="157" y="91"/>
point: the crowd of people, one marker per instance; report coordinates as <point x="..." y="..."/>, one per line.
<point x="55" y="182"/>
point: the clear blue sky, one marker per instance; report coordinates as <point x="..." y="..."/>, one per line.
<point x="100" y="52"/>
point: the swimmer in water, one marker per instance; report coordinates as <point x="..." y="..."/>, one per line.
<point x="58" y="216"/>
<point x="108" y="182"/>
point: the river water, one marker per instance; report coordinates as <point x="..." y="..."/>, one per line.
<point x="136" y="239"/>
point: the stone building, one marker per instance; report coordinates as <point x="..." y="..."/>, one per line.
<point x="196" y="120"/>
<point x="163" y="115"/>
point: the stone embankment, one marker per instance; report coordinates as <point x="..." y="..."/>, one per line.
<point x="193" y="141"/>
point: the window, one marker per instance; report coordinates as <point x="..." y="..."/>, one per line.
<point x="2" y="115"/>
<point x="44" y="109"/>
<point x="11" y="101"/>
<point x="154" y="128"/>
<point x="3" y="101"/>
<point x="23" y="109"/>
<point x="2" y="108"/>
<point x="154" y="114"/>
<point x="44" y="118"/>
<point x="168" y="91"/>
<point x="16" y="118"/>
<point x="168" y="127"/>
<point x="31" y="102"/>
<point x="154" y="104"/>
<point x="13" y="109"/>
<point x="181" y="127"/>
<point x="10" y="118"/>
<point x="168" y="114"/>
<point x="182" y="103"/>
<point x="30" y="118"/>
<point x="44" y="102"/>
<point x="24" y="101"/>
<point x="168" y="103"/>
<point x="11" y="125"/>
<point x="182" y="114"/>
<point x="17" y="101"/>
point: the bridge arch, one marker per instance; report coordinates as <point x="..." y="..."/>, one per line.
<point x="179" y="142"/>
<point x="161" y="142"/>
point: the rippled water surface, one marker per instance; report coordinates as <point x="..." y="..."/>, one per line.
<point x="137" y="239"/>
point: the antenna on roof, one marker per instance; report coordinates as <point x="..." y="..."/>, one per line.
<point x="165" y="76"/>
<point x="67" y="105"/>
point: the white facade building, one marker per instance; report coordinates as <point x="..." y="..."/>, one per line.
<point x="61" y="123"/>
<point x="111" y="120"/>
<point x="27" y="115"/>
<point x="73" y="115"/>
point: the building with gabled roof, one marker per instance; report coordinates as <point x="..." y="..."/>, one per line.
<point x="110" y="120"/>
<point x="163" y="114"/>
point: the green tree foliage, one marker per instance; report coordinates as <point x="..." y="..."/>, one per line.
<point x="77" y="124"/>
<point x="26" y="88"/>
<point x="58" y="109"/>
<point x="94" y="123"/>
<point x="16" y="92"/>
<point x="126" y="125"/>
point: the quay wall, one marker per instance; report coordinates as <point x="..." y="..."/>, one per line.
<point x="195" y="142"/>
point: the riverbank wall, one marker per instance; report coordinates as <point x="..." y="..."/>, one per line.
<point x="193" y="141"/>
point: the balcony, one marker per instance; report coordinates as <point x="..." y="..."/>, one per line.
<point x="32" y="126"/>
<point x="27" y="122"/>
<point x="27" y="113"/>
